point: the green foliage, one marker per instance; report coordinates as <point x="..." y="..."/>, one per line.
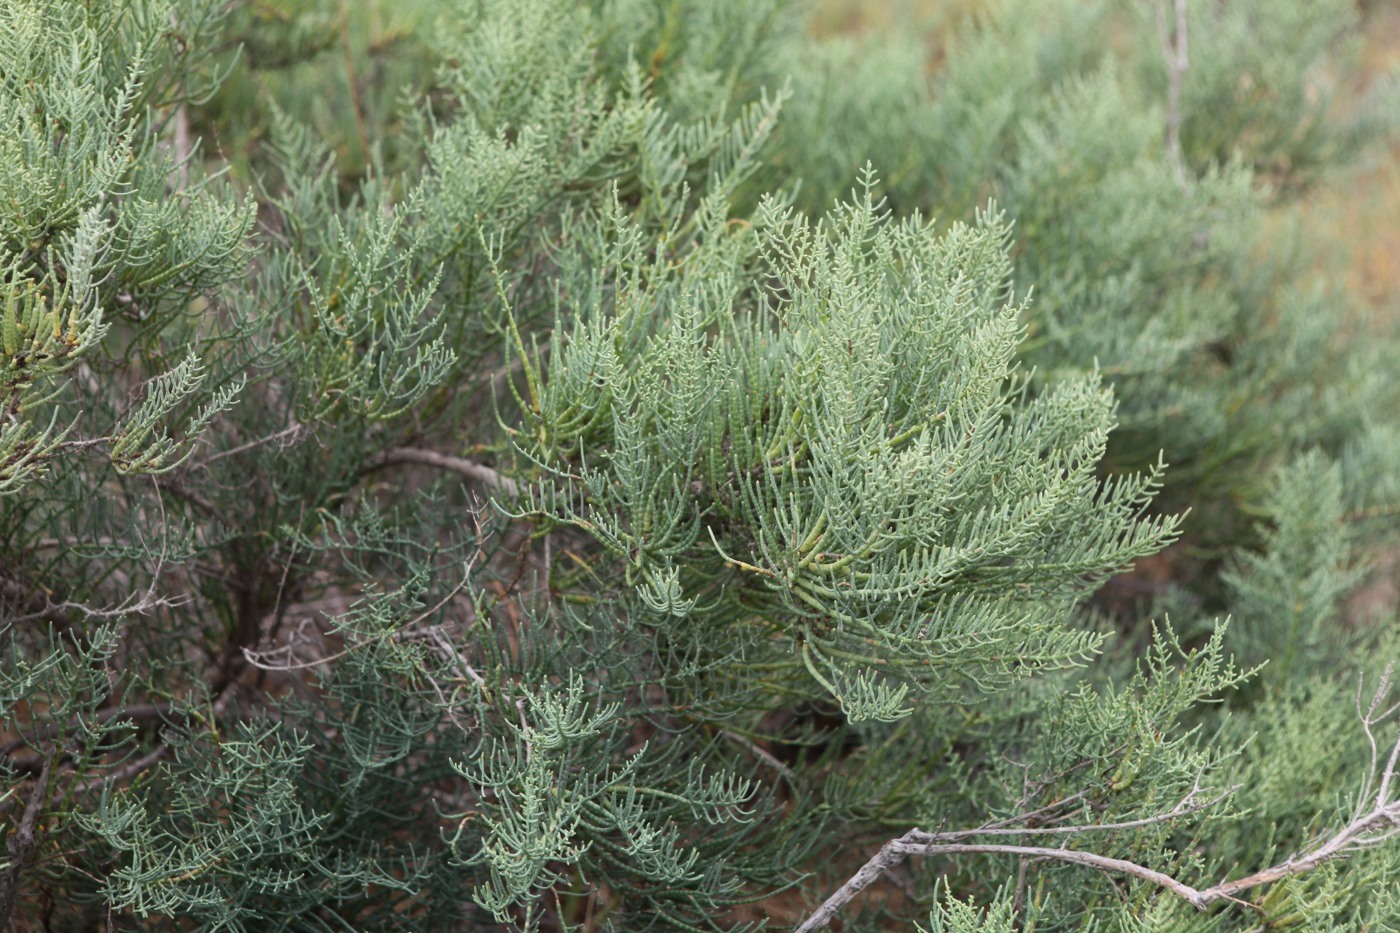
<point x="954" y="916"/>
<point x="536" y="465"/>
<point x="1169" y="280"/>
<point x="1288" y="596"/>
<point x="849" y="513"/>
<point x="87" y="224"/>
<point x="229" y="861"/>
<point x="1259" y="91"/>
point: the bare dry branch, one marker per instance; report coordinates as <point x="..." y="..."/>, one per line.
<point x="762" y="754"/>
<point x="1174" y="50"/>
<point x="1377" y="821"/>
<point x="283" y="439"/>
<point x="468" y="468"/>
<point x="183" y="147"/>
<point x="919" y="842"/>
<point x="22" y="842"/>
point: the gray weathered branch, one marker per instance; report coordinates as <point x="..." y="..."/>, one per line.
<point x="468" y="468"/>
<point x="1377" y="821"/>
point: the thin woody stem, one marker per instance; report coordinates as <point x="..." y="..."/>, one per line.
<point x="1378" y="824"/>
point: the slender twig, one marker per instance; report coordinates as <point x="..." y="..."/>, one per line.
<point x="71" y="541"/>
<point x="1378" y="822"/>
<point x="460" y="465"/>
<point x="1018" y="902"/>
<point x="22" y="843"/>
<point x="135" y="604"/>
<point x="260" y="659"/>
<point x="896" y="850"/>
<point x="294" y="432"/>
<point x="124" y="772"/>
<point x="1174" y="50"/>
<point x="1101" y="862"/>
<point x="355" y="103"/>
<point x="449" y="653"/>
<point x="1036" y="815"/>
<point x="1368" y="719"/>
<point x="182" y="130"/>
<point x="920" y="842"/>
<point x="765" y="755"/>
<point x="1187" y="806"/>
<point x="169" y="481"/>
<point x="279" y="609"/>
<point x="148" y="714"/>
<point x="1023" y="864"/>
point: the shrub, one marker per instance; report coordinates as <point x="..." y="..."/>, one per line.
<point x="587" y="496"/>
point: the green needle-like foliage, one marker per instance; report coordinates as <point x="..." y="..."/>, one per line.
<point x="625" y="466"/>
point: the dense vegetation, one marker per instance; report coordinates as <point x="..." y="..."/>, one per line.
<point x="636" y="465"/>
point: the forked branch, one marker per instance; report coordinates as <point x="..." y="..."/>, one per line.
<point x="1377" y="820"/>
